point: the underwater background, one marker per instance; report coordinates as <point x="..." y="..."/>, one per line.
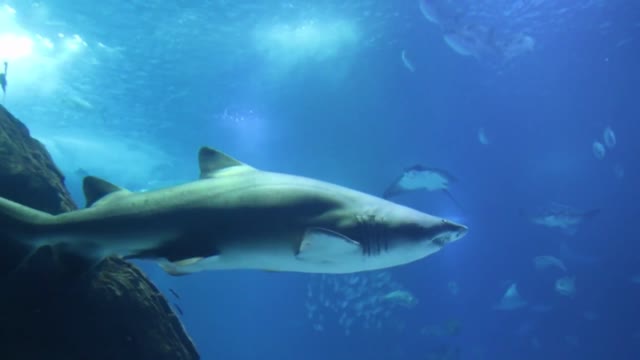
<point x="532" y="105"/>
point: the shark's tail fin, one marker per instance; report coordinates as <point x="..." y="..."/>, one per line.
<point x="19" y="221"/>
<point x="21" y="225"/>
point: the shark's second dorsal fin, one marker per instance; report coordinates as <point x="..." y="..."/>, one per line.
<point x="212" y="161"/>
<point x="95" y="189"/>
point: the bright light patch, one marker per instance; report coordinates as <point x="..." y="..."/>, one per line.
<point x="9" y="10"/>
<point x="45" y="42"/>
<point x="13" y="47"/>
<point x="33" y="56"/>
<point x="307" y="40"/>
<point x="75" y="43"/>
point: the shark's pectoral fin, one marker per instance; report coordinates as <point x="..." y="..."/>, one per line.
<point x="213" y="161"/>
<point x="95" y="189"/>
<point x="326" y="246"/>
<point x="188" y="266"/>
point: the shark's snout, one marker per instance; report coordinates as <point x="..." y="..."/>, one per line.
<point x="460" y="232"/>
<point x="450" y="232"/>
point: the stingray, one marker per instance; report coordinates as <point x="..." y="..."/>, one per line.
<point x="561" y="217"/>
<point x="420" y="177"/>
<point x="511" y="300"/>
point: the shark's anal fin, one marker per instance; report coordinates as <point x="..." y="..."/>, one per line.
<point x="212" y="161"/>
<point x="326" y="246"/>
<point x="95" y="189"/>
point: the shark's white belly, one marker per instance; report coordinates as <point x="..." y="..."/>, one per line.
<point x="275" y="256"/>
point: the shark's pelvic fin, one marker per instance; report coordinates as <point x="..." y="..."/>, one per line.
<point x="212" y="161"/>
<point x="325" y="246"/>
<point x="95" y="189"/>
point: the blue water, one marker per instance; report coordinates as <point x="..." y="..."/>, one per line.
<point x="320" y="90"/>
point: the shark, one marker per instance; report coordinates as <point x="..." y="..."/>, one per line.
<point x="236" y="217"/>
<point x="562" y="217"/>
<point x="420" y="177"/>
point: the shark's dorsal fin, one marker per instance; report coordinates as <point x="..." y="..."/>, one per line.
<point x="95" y="189"/>
<point x="212" y="161"/>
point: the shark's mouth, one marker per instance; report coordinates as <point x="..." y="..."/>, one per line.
<point x="448" y="237"/>
<point x="456" y="233"/>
